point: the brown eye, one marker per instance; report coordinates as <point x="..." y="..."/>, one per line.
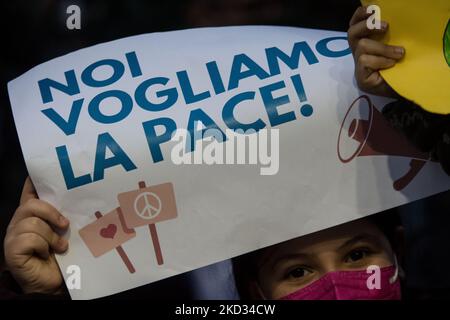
<point x="357" y="255"/>
<point x="298" y="273"/>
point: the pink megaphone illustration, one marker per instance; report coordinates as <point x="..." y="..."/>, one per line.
<point x="374" y="136"/>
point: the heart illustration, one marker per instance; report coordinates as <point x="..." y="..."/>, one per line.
<point x="109" y="231"/>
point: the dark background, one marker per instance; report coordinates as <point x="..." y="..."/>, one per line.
<point x="35" y="31"/>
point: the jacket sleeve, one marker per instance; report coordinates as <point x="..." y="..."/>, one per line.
<point x="9" y="289"/>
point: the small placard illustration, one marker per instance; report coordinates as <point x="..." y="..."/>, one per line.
<point x="107" y="233"/>
<point x="143" y="206"/>
<point x="149" y="205"/>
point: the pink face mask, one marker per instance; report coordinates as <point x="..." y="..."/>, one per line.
<point x="351" y="285"/>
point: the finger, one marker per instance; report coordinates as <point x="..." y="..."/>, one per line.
<point x="371" y="62"/>
<point x="359" y="15"/>
<point x="360" y="30"/>
<point x="373" y="80"/>
<point x="26" y="245"/>
<point x="38" y="226"/>
<point x="28" y="191"/>
<point x="376" y="48"/>
<point x="40" y="209"/>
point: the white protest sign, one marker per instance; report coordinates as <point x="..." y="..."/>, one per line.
<point x="98" y="129"/>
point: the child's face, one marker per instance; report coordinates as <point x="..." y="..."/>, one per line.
<point x="292" y="265"/>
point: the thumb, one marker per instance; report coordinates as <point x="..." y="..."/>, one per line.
<point x="28" y="192"/>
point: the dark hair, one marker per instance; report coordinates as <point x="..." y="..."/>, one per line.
<point x="245" y="268"/>
<point x="429" y="132"/>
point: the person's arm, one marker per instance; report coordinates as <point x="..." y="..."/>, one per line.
<point x="31" y="241"/>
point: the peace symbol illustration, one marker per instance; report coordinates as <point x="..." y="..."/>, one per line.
<point x="144" y="205"/>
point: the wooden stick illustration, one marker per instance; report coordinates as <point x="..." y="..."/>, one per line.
<point x="120" y="250"/>
<point x="154" y="235"/>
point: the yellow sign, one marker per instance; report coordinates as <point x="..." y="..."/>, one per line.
<point x="423" y="29"/>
